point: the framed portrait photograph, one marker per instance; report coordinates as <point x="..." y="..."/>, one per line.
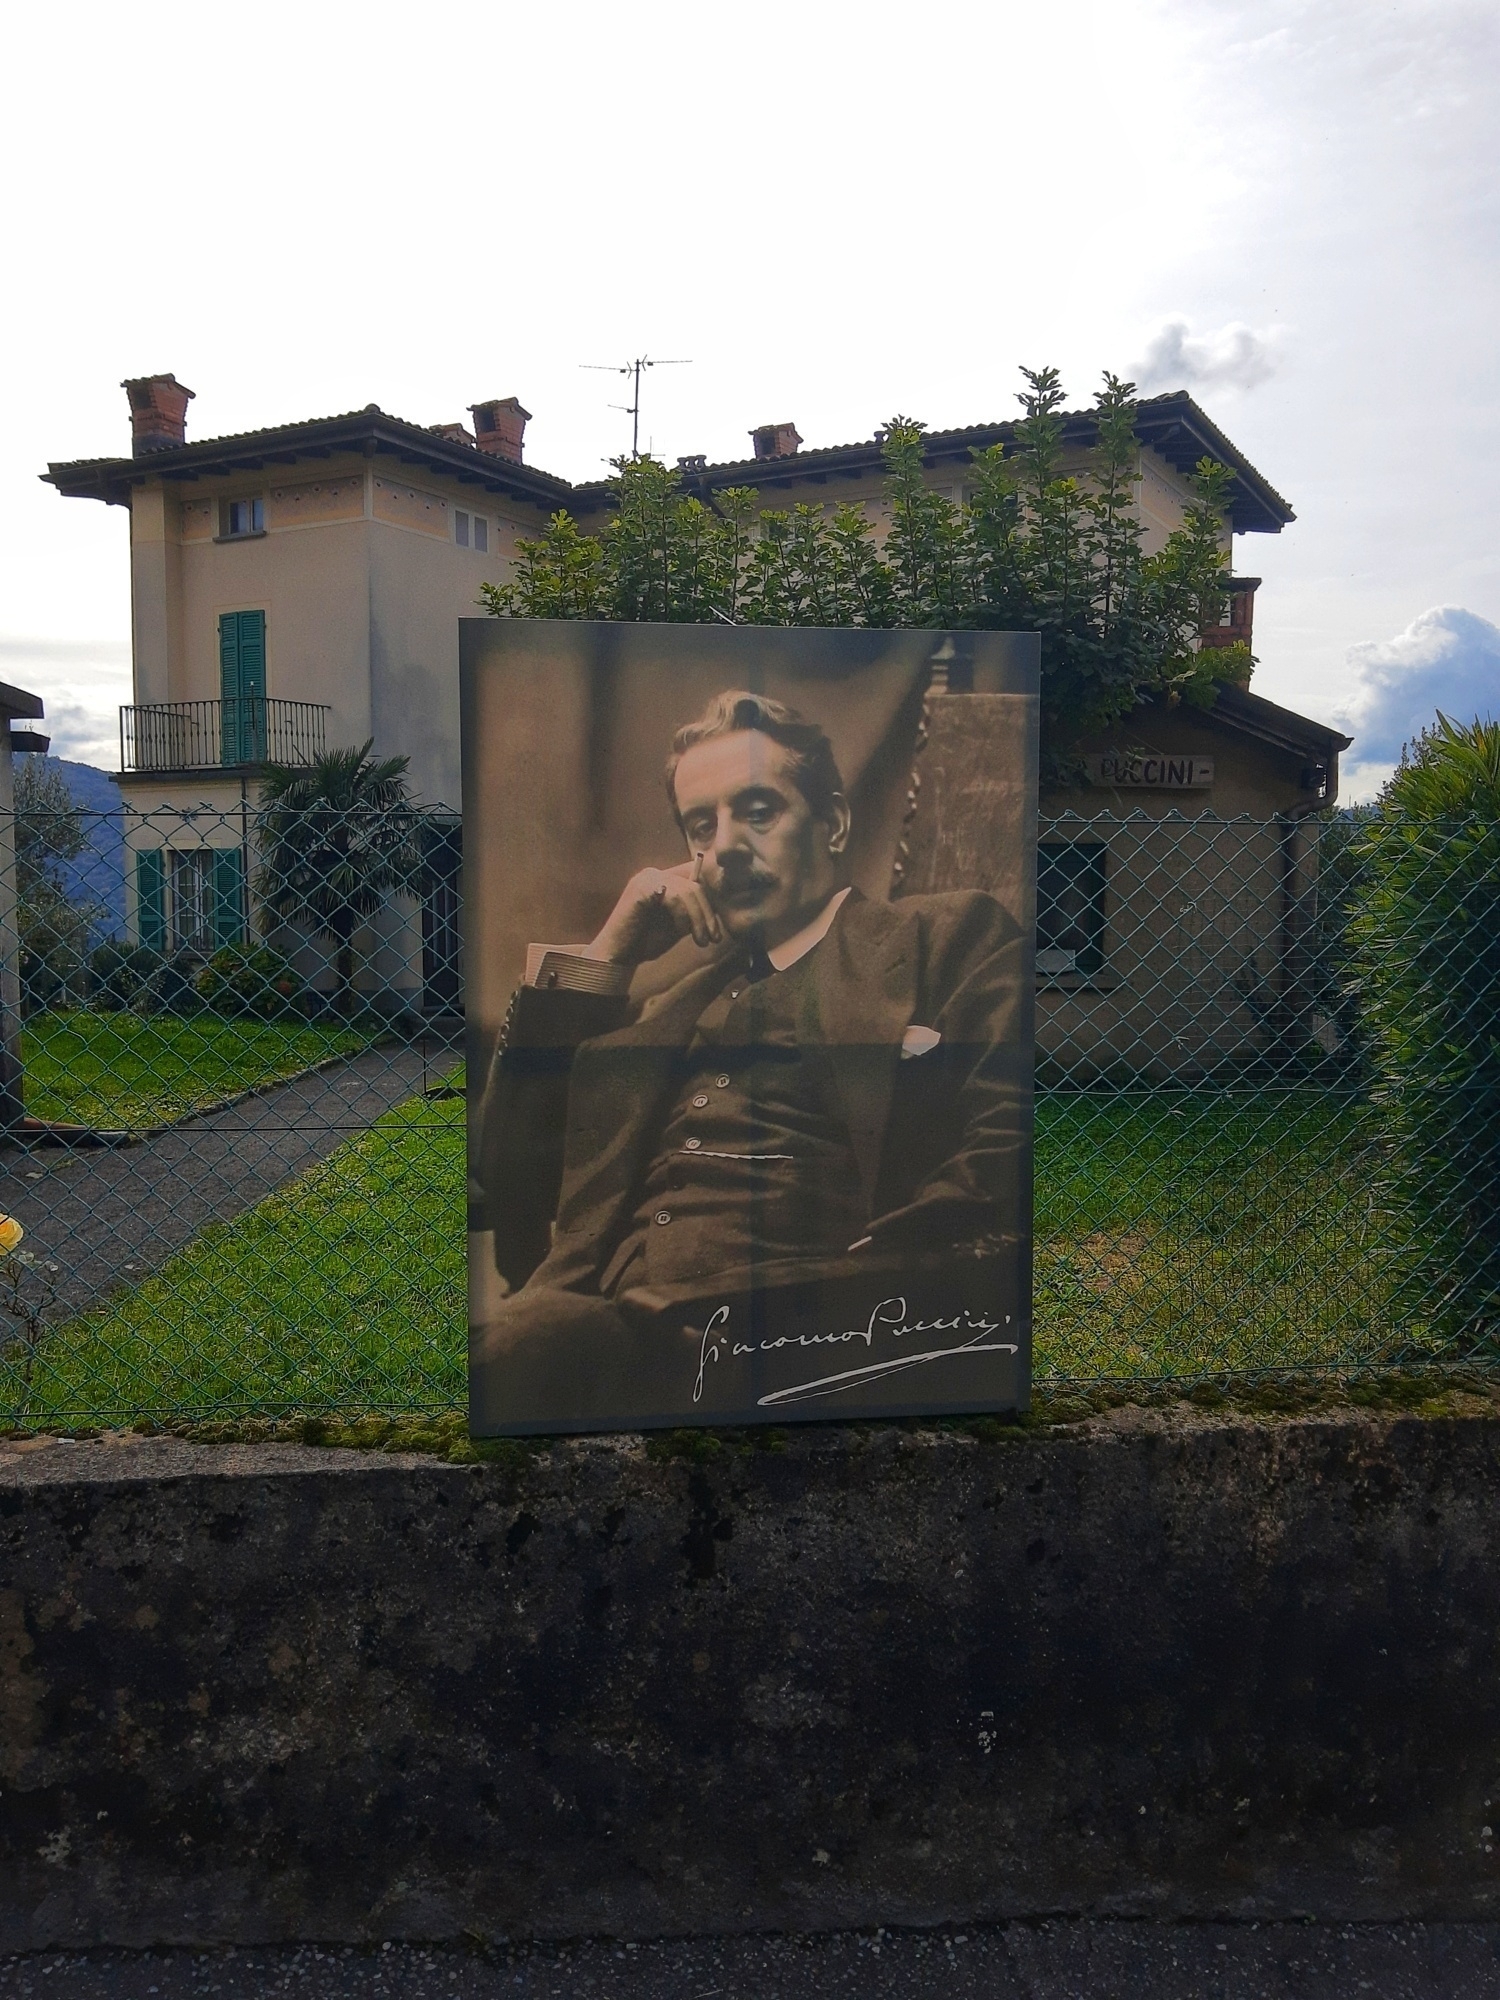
<point x="749" y="965"/>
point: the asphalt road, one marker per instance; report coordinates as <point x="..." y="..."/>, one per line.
<point x="1051" y="1961"/>
<point x="108" y="1215"/>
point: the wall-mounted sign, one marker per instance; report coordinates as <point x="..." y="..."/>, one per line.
<point x="1149" y="771"/>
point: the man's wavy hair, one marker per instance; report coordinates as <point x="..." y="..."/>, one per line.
<point x="814" y="770"/>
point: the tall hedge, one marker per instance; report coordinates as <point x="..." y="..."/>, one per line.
<point x="1425" y="932"/>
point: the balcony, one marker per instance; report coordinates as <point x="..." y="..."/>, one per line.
<point x="220" y="735"/>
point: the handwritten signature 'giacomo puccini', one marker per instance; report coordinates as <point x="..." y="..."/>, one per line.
<point x="888" y="1317"/>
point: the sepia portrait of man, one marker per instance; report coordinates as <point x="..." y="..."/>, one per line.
<point x="795" y="1178"/>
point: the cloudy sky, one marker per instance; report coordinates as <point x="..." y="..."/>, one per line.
<point x="837" y="211"/>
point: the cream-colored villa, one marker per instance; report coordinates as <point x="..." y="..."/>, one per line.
<point x="301" y="587"/>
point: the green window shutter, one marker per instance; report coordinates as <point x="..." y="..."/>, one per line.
<point x="252" y="649"/>
<point x="242" y="686"/>
<point x="252" y="686"/>
<point x="229" y="687"/>
<point x="229" y="655"/>
<point x="229" y="895"/>
<point x="151" y="898"/>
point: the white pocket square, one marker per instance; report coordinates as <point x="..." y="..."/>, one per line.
<point x="918" y="1042"/>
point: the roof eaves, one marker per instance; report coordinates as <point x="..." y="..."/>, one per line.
<point x="1259" y="507"/>
<point x="1171" y="424"/>
<point x="1252" y="715"/>
<point x="16" y="701"/>
<point x="370" y="430"/>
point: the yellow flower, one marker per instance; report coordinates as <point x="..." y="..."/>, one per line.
<point x="11" y="1233"/>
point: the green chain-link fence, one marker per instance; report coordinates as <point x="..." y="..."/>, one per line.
<point x="1267" y="1100"/>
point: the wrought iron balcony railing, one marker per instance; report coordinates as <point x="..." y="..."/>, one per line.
<point x="220" y="735"/>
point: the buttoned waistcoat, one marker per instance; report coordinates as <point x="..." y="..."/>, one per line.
<point x="582" y="1082"/>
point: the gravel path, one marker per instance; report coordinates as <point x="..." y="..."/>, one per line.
<point x="1052" y="1961"/>
<point x="107" y="1214"/>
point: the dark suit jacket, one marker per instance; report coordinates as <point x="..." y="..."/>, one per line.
<point x="581" y="1084"/>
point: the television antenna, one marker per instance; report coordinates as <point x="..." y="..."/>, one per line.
<point x="633" y="369"/>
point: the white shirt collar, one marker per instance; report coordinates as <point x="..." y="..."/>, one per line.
<point x="785" y="955"/>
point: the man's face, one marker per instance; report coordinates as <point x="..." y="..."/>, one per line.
<point x="768" y="865"/>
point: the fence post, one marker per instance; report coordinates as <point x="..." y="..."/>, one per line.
<point x="15" y="703"/>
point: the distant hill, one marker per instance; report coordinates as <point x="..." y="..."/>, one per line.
<point x="98" y="874"/>
<point x="94" y="790"/>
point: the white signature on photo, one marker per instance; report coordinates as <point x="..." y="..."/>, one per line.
<point x="888" y="1318"/>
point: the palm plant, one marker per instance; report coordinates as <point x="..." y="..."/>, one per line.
<point x="338" y="837"/>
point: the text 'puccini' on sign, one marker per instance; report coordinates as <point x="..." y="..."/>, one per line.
<point x="1151" y="771"/>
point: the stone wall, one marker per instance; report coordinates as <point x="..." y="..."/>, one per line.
<point x="1153" y="1665"/>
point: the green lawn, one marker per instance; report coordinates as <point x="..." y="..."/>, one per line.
<point x="129" y="1071"/>
<point x="1178" y="1234"/>
<point x="344" y="1289"/>
<point x="1196" y="1232"/>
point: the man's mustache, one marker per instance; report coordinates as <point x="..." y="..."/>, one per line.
<point x="735" y="879"/>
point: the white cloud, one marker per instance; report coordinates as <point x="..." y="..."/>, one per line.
<point x="1361" y="784"/>
<point x="82" y="683"/>
<point x="1235" y="356"/>
<point x="1326" y="168"/>
<point x="80" y="732"/>
<point x="1447" y="659"/>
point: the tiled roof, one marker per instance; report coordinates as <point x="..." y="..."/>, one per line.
<point x="369" y="430"/>
<point x="1170" y="424"/>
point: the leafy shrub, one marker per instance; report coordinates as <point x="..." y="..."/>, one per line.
<point x="174" y="987"/>
<point x="249" y="979"/>
<point x="1425" y="932"/>
<point x="122" y="975"/>
<point x="144" y="981"/>
<point x="1041" y="544"/>
<point x="55" y="928"/>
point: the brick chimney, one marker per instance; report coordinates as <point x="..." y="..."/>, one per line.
<point x="158" y="412"/>
<point x="500" y="427"/>
<point x="454" y="433"/>
<point x="775" y="440"/>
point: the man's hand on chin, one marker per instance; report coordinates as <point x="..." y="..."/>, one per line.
<point x="656" y="908"/>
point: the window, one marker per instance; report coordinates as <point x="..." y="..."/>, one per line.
<point x="460" y="527"/>
<point x="1070" y="907"/>
<point x="481" y="534"/>
<point x="241" y="517"/>
<point x="471" y="531"/>
<point x="190" y="899"/>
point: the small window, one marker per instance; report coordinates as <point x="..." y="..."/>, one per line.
<point x="460" y="527"/>
<point x="481" y="534"/>
<point x="242" y="517"/>
<point x="471" y="531"/>
<point x="1070" y="907"/>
